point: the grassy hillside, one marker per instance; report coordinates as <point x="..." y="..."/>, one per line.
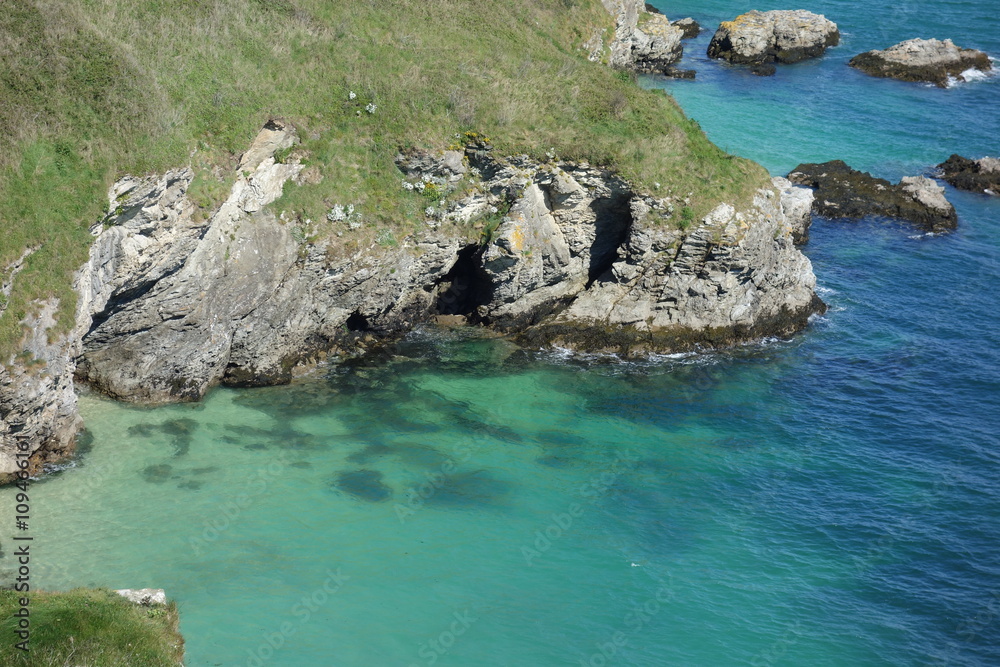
<point x="93" y="89"/>
<point x="90" y="627"/>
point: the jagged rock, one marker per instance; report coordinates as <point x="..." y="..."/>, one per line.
<point x="146" y="597"/>
<point x="982" y="175"/>
<point x="783" y="36"/>
<point x="929" y="60"/>
<point x="689" y="27"/>
<point x="733" y="278"/>
<point x="842" y="192"/>
<point x="677" y="73"/>
<point x="796" y="204"/>
<point x="644" y="41"/>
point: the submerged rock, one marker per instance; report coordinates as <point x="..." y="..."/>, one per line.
<point x="842" y="192"/>
<point x="364" y="484"/>
<point x="783" y="36"/>
<point x="689" y="27"/>
<point x="982" y="175"/>
<point x="929" y="60"/>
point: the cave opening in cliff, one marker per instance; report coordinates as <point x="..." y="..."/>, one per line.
<point x="466" y="286"/>
<point x="612" y="223"/>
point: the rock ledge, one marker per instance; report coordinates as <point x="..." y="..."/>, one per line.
<point x="929" y="60"/>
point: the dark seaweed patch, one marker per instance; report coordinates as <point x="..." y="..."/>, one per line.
<point x="363" y="484"/>
<point x="554" y="461"/>
<point x="190" y="485"/>
<point x="157" y="474"/>
<point x="204" y="471"/>
<point x="301" y="464"/>
<point x="471" y="489"/>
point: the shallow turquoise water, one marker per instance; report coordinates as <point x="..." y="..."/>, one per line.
<point x="828" y="500"/>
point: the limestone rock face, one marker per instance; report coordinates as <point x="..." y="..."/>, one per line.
<point x="842" y="192"/>
<point x="782" y="36"/>
<point x="736" y="277"/>
<point x="644" y="41"/>
<point x="930" y="60"/>
<point x="982" y="175"/>
<point x="38" y="407"/>
<point x="796" y="204"/>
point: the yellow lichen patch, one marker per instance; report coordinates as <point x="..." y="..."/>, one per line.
<point x="517" y="238"/>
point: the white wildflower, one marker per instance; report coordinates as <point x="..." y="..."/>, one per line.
<point x="350" y="209"/>
<point x="429" y="211"/>
<point x="354" y="224"/>
<point x="336" y="214"/>
<point x="351" y="95"/>
<point x="407" y="186"/>
<point x="420" y="186"/>
<point x="427" y="178"/>
<point x="371" y="107"/>
<point x="656" y="185"/>
<point x="494" y="209"/>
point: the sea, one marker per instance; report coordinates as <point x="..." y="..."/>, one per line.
<point x="828" y="499"/>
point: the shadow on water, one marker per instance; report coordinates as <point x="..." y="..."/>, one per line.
<point x="471" y="489"/>
<point x="182" y="431"/>
<point x="364" y="485"/>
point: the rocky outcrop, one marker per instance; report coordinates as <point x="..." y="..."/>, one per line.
<point x="644" y="41"/>
<point x="982" y="175"/>
<point x="842" y="192"/>
<point x="780" y="36"/>
<point x="171" y="303"/>
<point x="146" y="597"/>
<point x="930" y="60"/>
<point x="796" y="205"/>
<point x="689" y="27"/>
<point x="39" y="421"/>
<point x="735" y="278"/>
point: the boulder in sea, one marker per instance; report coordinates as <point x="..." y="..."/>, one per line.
<point x="782" y="36"/>
<point x="678" y="73"/>
<point x="689" y="27"/>
<point x="982" y="175"/>
<point x="930" y="60"/>
<point x="842" y="192"/>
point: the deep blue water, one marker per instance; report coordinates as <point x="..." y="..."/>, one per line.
<point x="833" y="499"/>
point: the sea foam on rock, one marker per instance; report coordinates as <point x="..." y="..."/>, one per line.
<point x="930" y="60"/>
<point x="779" y="36"/>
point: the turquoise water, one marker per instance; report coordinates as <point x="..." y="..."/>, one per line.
<point x="832" y="499"/>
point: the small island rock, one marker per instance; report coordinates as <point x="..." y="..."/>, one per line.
<point x="842" y="192"/>
<point x="689" y="27"/>
<point x="783" y="36"/>
<point x="929" y="60"/>
<point x="982" y="175"/>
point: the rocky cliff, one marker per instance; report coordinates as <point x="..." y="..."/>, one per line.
<point x="644" y="41"/>
<point x="172" y="304"/>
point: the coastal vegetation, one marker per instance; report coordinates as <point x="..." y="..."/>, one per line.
<point x="94" y="89"/>
<point x="91" y="627"/>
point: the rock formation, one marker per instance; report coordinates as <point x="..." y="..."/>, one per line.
<point x="689" y="27"/>
<point x="842" y="192"/>
<point x="171" y="304"/>
<point x="644" y="41"/>
<point x="782" y="36"/>
<point x="982" y="175"/>
<point x="929" y="60"/>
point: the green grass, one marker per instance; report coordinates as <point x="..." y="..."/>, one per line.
<point x="91" y="628"/>
<point x="94" y="89"/>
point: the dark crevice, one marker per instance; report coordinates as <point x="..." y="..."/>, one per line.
<point x="613" y="222"/>
<point x="466" y="286"/>
<point x="357" y="322"/>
